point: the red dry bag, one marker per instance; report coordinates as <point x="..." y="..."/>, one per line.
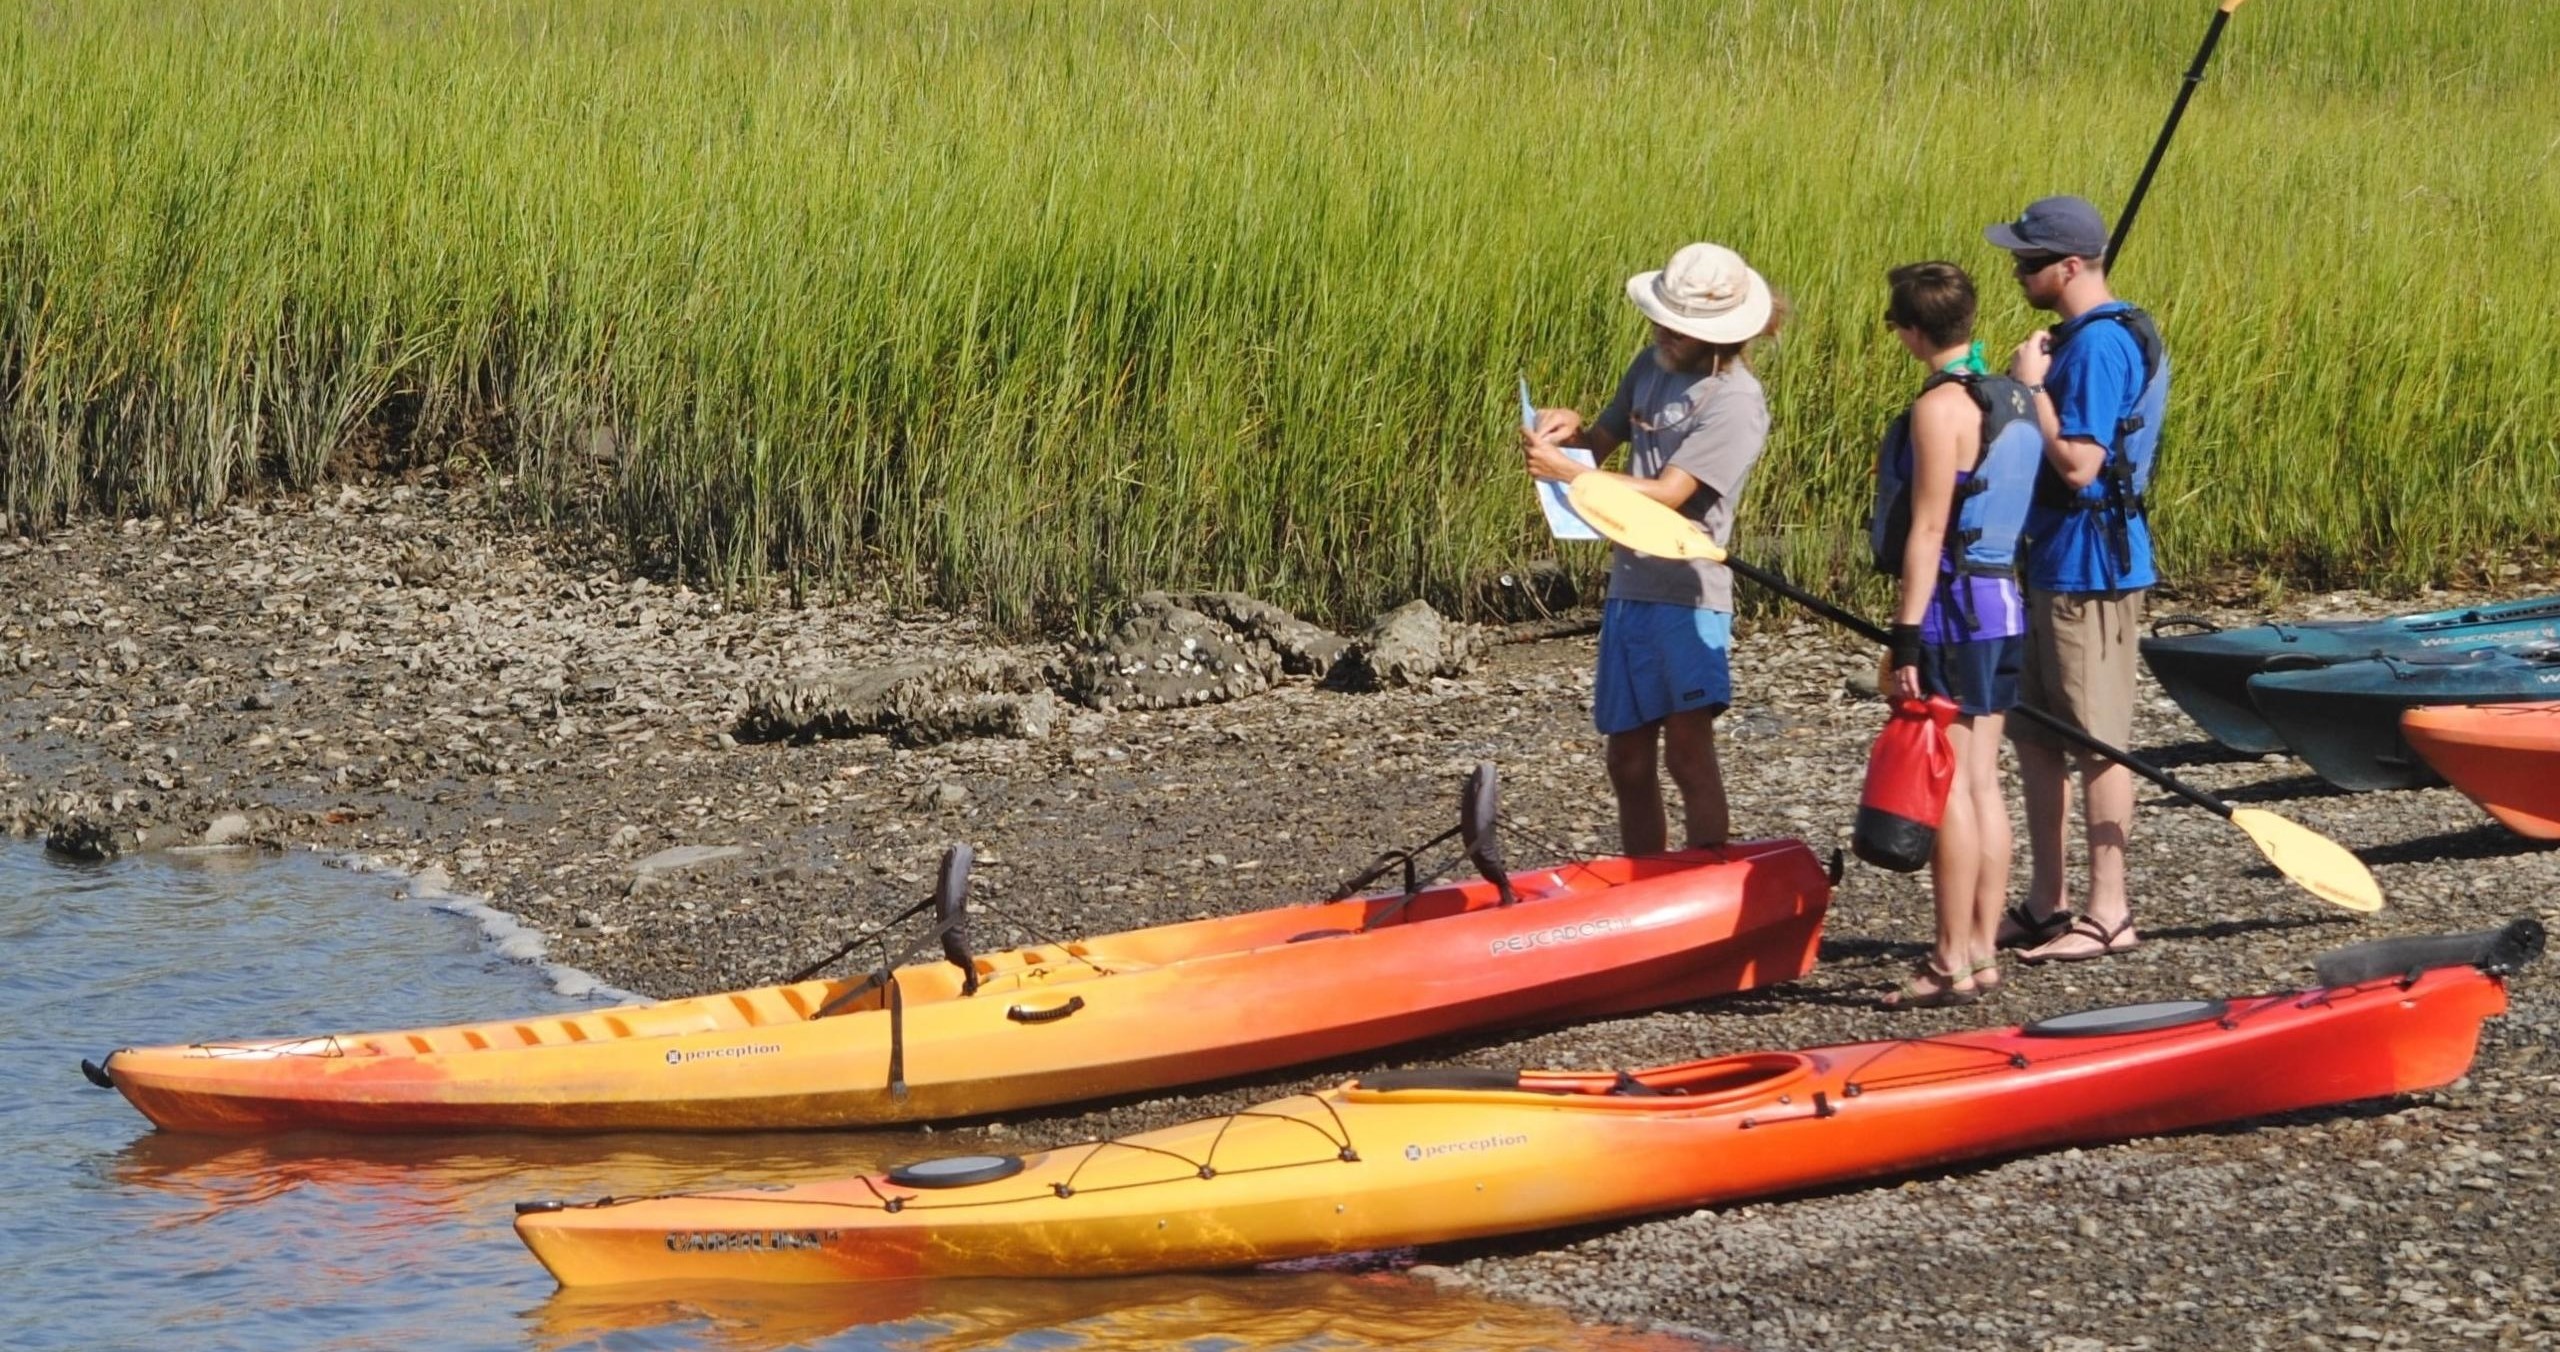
<point x="1908" y="775"/>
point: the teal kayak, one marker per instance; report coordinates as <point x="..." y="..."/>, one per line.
<point x="2343" y="719"/>
<point x="2207" y="670"/>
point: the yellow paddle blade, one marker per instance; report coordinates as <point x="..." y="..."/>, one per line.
<point x="2320" y="865"/>
<point x="1615" y="507"/>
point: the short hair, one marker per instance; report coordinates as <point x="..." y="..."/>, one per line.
<point x="1935" y="298"/>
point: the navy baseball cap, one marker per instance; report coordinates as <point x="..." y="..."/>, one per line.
<point x="2053" y="225"/>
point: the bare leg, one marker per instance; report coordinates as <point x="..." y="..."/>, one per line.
<point x="1642" y="827"/>
<point x="1978" y="778"/>
<point x="2045" y="782"/>
<point x="1956" y="862"/>
<point x="2109" y="806"/>
<point x="1689" y="745"/>
<point x="2107" y="925"/>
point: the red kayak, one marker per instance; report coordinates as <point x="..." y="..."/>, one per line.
<point x="2505" y="757"/>
<point x="1419" y="1157"/>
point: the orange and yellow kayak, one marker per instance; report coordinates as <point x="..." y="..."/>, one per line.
<point x="2505" y="757"/>
<point x="1422" y="1157"/>
<point x="1116" y="1014"/>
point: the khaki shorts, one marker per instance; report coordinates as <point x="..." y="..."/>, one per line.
<point x="2080" y="660"/>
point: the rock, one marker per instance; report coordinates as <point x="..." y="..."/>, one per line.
<point x="1164" y="655"/>
<point x="1407" y="647"/>
<point x="83" y="838"/>
<point x="912" y="703"/>
<point x="231" y="828"/>
<point x="679" y="857"/>
<point x="1305" y="649"/>
<point x="944" y="796"/>
<point x="419" y="562"/>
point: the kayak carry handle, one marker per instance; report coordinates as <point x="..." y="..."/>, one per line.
<point x="97" y="1072"/>
<point x="2193" y="624"/>
<point x="1023" y="1014"/>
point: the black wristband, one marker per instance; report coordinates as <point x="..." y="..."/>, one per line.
<point x="1903" y="641"/>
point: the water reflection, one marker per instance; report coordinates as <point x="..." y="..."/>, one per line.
<point x="1244" y="1310"/>
<point x="403" y="1204"/>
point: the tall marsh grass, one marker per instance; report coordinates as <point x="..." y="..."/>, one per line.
<point x="1020" y="305"/>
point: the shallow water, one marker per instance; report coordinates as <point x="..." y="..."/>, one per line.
<point x="120" y="1235"/>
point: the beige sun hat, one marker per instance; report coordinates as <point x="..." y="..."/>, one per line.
<point x="1706" y="292"/>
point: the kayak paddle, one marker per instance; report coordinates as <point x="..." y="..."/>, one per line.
<point x="1618" y="509"/>
<point x="2160" y="148"/>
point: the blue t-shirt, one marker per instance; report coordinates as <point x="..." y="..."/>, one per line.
<point x="2095" y="381"/>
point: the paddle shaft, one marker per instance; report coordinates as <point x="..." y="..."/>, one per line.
<point x="2160" y="148"/>
<point x="1875" y="633"/>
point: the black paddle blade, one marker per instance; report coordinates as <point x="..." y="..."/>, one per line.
<point x="2497" y="952"/>
<point x="97" y="1074"/>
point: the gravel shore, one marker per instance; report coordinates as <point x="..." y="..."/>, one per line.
<point x="390" y="672"/>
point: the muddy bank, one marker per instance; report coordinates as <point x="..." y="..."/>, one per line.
<point x="388" y="672"/>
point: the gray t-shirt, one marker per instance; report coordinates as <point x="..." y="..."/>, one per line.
<point x="1711" y="426"/>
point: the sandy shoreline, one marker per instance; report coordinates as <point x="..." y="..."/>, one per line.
<point x="387" y="672"/>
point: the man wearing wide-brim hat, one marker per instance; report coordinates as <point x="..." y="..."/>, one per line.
<point x="1693" y="419"/>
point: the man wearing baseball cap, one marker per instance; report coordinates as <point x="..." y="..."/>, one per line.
<point x="1693" y="419"/>
<point x="2100" y="379"/>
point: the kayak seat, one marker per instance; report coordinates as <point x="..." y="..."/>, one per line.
<point x="1479" y="816"/>
<point x="951" y="910"/>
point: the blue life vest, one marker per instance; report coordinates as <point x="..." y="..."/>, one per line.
<point x="2124" y="481"/>
<point x="1991" y="498"/>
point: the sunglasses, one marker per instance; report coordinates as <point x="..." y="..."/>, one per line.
<point x="2028" y="265"/>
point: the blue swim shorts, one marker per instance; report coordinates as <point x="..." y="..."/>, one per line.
<point x="1980" y="676"/>
<point x="1658" y="659"/>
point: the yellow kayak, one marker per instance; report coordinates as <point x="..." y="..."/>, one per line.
<point x="1421" y="1157"/>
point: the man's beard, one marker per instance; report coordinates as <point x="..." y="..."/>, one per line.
<point x="1703" y="365"/>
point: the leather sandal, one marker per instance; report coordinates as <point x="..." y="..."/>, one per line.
<point x="2032" y="930"/>
<point x="1912" y="994"/>
<point x="2110" y="940"/>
